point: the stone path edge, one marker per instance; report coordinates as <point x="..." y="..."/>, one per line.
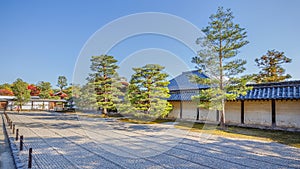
<point x="13" y="147"/>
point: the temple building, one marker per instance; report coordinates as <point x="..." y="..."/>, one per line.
<point x="34" y="103"/>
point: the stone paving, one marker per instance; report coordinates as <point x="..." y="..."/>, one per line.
<point x="71" y="141"/>
<point x="6" y="159"/>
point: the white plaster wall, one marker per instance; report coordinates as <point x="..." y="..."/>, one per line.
<point x="208" y="115"/>
<point x="29" y="106"/>
<point x="11" y="105"/>
<point x="258" y="113"/>
<point x="189" y="110"/>
<point x="175" y="113"/>
<point x="233" y="112"/>
<point x="26" y="106"/>
<point x="288" y="113"/>
<point x="39" y="105"/>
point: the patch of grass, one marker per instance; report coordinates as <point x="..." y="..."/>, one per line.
<point x="145" y="121"/>
<point x="284" y="137"/>
<point x="91" y="115"/>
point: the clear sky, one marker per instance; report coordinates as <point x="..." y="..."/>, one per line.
<point x="41" y="40"/>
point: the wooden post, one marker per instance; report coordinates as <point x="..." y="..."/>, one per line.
<point x="14" y="128"/>
<point x="273" y="113"/>
<point x="198" y="113"/>
<point x="30" y="158"/>
<point x="242" y="112"/>
<point x="21" y="142"/>
<point x="17" y="134"/>
<point x="180" y="109"/>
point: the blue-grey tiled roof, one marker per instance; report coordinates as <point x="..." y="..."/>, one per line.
<point x="280" y="90"/>
<point x="183" y="95"/>
<point x="182" y="82"/>
<point x="264" y="91"/>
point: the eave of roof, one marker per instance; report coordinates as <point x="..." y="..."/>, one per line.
<point x="279" y="90"/>
<point x="288" y="90"/>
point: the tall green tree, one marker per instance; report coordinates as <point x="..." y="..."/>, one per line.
<point x="106" y="82"/>
<point x="22" y="94"/>
<point x="217" y="59"/>
<point x="45" y="89"/>
<point x="271" y="67"/>
<point x="148" y="91"/>
<point x="62" y="82"/>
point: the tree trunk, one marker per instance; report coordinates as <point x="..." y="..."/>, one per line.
<point x="222" y="112"/>
<point x="105" y="111"/>
<point x="19" y="108"/>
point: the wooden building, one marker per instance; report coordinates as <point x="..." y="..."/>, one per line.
<point x="35" y="103"/>
<point x="266" y="105"/>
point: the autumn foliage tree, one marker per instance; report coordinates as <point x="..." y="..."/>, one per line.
<point x="5" y="90"/>
<point x="34" y="90"/>
<point x="271" y="67"/>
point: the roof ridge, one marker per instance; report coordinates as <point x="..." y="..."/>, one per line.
<point x="276" y="84"/>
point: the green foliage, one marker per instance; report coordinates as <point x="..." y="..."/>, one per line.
<point x="68" y="91"/>
<point x="271" y="69"/>
<point x="217" y="60"/>
<point x="45" y="89"/>
<point x="106" y="82"/>
<point x="85" y="97"/>
<point x="22" y="94"/>
<point x="62" y="82"/>
<point x="148" y="91"/>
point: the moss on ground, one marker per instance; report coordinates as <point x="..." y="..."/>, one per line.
<point x="284" y="137"/>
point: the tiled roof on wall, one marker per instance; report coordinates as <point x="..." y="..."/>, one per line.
<point x="182" y="89"/>
<point x="279" y="90"/>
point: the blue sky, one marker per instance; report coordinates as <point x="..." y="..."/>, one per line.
<point x="41" y="40"/>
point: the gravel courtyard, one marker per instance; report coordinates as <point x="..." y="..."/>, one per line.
<point x="70" y="141"/>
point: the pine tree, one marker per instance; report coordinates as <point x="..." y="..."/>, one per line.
<point x="85" y="97"/>
<point x="271" y="69"/>
<point x="148" y="91"/>
<point x="62" y="82"/>
<point x="22" y="94"/>
<point x="217" y="60"/>
<point x="45" y="89"/>
<point x="106" y="82"/>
